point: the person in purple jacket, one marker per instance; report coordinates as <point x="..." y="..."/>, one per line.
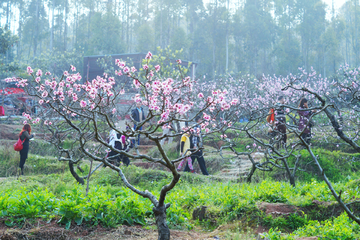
<point x="304" y="124"/>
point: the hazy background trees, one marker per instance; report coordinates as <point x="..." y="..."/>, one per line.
<point x="223" y="36"/>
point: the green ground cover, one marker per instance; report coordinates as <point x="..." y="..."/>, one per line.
<point x="109" y="203"/>
<point x="48" y="191"/>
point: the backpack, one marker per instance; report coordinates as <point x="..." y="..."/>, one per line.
<point x="18" y="146"/>
<point x="271" y="116"/>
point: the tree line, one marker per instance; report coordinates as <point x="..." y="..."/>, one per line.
<point x="225" y="37"/>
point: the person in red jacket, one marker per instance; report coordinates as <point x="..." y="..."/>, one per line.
<point x="2" y="111"/>
<point x="26" y="135"/>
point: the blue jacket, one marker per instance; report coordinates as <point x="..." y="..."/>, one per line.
<point x="135" y="114"/>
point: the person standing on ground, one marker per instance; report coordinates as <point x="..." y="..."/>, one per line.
<point x="304" y="124"/>
<point x="185" y="152"/>
<point x="280" y="120"/>
<point x="181" y="123"/>
<point x="25" y="135"/>
<point x="167" y="129"/>
<point x="195" y="142"/>
<point x="119" y="142"/>
<point x="138" y="115"/>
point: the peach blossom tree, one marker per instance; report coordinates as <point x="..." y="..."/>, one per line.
<point x="82" y="111"/>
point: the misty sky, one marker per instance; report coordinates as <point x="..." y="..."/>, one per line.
<point x="337" y="3"/>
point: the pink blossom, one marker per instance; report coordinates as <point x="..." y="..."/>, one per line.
<point x="145" y="67"/>
<point x="39" y="73"/>
<point x="178" y="61"/>
<point x="200" y="95"/>
<point x="37" y="79"/>
<point x="148" y="55"/>
<point x="126" y="70"/>
<point x="29" y="70"/>
<point x="83" y="103"/>
<point x="206" y="117"/>
<point x="234" y="101"/>
<point x="44" y="94"/>
<point x="41" y="101"/>
<point x="113" y="110"/>
<point x="120" y="63"/>
<point x="66" y="73"/>
<point x="73" y="68"/>
<point x="133" y="69"/>
<point x="136" y="83"/>
<point x="157" y="68"/>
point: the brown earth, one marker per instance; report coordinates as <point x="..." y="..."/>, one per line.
<point x="53" y="231"/>
<point x="9" y="132"/>
<point x="277" y="209"/>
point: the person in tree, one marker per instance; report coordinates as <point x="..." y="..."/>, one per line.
<point x="25" y="135"/>
<point x="196" y="141"/>
<point x="185" y="152"/>
<point x="138" y="115"/>
<point x="304" y="122"/>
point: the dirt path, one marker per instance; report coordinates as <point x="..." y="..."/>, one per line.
<point x="240" y="167"/>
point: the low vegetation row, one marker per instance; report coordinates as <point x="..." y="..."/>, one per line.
<point x="109" y="203"/>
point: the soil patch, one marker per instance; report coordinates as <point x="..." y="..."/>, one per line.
<point x="38" y="229"/>
<point x="10" y="132"/>
<point x="277" y="209"/>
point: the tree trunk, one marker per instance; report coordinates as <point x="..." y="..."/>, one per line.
<point x="36" y="34"/>
<point x="288" y="171"/>
<point x="251" y="173"/>
<point x="7" y="24"/>
<point x="75" y="175"/>
<point x="18" y="49"/>
<point x="127" y="25"/>
<point x="161" y="26"/>
<point x="52" y="27"/>
<point x="65" y="24"/>
<point x="160" y="216"/>
<point x="76" y="25"/>
<point x="292" y="180"/>
<point x="227" y="40"/>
